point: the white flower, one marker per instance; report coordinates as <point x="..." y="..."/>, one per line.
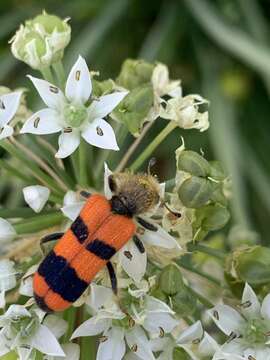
<point x="26" y="286"/>
<point x="71" y="205"/>
<point x="162" y="85"/>
<point x="22" y="331"/>
<point x="7" y="231"/>
<point x="36" y="196"/>
<point x="156" y="318"/>
<point x="135" y="264"/>
<point x="72" y="352"/>
<point x="7" y="279"/>
<point x="186" y="112"/>
<point x="248" y="330"/>
<point x="9" y="104"/>
<point x="197" y="343"/>
<point x="70" y="113"/>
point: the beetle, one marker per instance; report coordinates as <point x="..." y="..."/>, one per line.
<point x="101" y="229"/>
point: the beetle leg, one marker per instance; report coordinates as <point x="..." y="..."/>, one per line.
<point x="51" y="237"/>
<point x="112" y="277"/>
<point x="139" y="244"/>
<point x="147" y="225"/>
<point x="85" y="194"/>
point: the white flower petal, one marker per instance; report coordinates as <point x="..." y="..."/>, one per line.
<point x="9" y="104"/>
<point x="137" y="339"/>
<point x="250" y="303"/>
<point x="258" y="353"/>
<point x="105" y="104"/>
<point x="7" y="275"/>
<point x="114" y="347"/>
<point x="36" y="196"/>
<point x="68" y="143"/>
<point x="208" y="346"/>
<point x="99" y="133"/>
<point x="44" y="341"/>
<point x="153" y="304"/>
<point x="7" y="232"/>
<point x="16" y="311"/>
<point x="227" y="319"/>
<point x="100" y="296"/>
<point x="6" y="132"/>
<point x="131" y="356"/>
<point x="26" y="287"/>
<point x="107" y="191"/>
<point x="91" y="327"/>
<point x="72" y="211"/>
<point x="265" y="310"/>
<point x="43" y="122"/>
<point x="71" y="350"/>
<point x="157" y="322"/>
<point x="232" y="350"/>
<point x="50" y="94"/>
<point x="159" y="238"/>
<point x="190" y="334"/>
<point x="56" y="325"/>
<point x="79" y="85"/>
<point x="2" y="299"/>
<point x="134" y="265"/>
<point x="24" y="352"/>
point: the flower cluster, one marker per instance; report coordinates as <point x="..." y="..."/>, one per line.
<point x="159" y="300"/>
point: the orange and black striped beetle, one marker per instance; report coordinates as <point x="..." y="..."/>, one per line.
<point x="101" y="229"/>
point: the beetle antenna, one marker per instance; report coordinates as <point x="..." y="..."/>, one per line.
<point x="175" y="213"/>
<point x="151" y="163"/>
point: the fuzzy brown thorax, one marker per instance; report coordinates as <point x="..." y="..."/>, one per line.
<point x="138" y="193"/>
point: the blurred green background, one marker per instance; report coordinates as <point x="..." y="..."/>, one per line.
<point x="219" y="48"/>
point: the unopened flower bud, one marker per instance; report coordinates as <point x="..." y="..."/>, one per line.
<point x="212" y="217"/>
<point x="171" y="280"/>
<point x="216" y="171"/>
<point x="135" y="73"/>
<point x="195" y="192"/>
<point x="184" y="302"/>
<point x="134" y="109"/>
<point x="41" y="41"/>
<point x="193" y="163"/>
<point x="251" y="264"/>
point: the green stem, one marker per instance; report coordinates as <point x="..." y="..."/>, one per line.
<point x="70" y="317"/>
<point x="47" y="74"/>
<point x="14" y="172"/>
<point x="218" y="254"/>
<point x="39" y="222"/>
<point x="83" y="164"/>
<point x="35" y="170"/>
<point x="153" y="145"/>
<point x="60" y="73"/>
<point x="20" y="212"/>
<point x="88" y="344"/>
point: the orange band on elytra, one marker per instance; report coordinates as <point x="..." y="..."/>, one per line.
<point x="55" y="302"/>
<point x="40" y="286"/>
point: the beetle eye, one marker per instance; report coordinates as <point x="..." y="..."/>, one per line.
<point x="112" y="184"/>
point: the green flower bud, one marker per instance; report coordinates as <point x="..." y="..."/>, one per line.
<point x="135" y="73"/>
<point x="218" y="193"/>
<point x="216" y="171"/>
<point x="134" y="109"/>
<point x="212" y="217"/>
<point x="195" y="192"/>
<point x="171" y="280"/>
<point x="193" y="163"/>
<point x="41" y="41"/>
<point x="251" y="264"/>
<point x="184" y="302"/>
<point x="159" y="294"/>
<point x="180" y="354"/>
<point x="101" y="88"/>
